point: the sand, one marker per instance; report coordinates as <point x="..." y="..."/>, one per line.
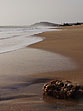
<point x="26" y="95"/>
<point x="68" y="42"/>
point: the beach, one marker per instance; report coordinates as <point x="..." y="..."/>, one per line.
<point x="67" y="42"/>
<point x="23" y="92"/>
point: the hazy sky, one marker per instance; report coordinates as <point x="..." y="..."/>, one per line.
<point x="26" y="12"/>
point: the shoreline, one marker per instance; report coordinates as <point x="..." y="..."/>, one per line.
<point x="70" y="40"/>
<point x="26" y="91"/>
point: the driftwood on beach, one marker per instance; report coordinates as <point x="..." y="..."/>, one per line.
<point x="62" y="89"/>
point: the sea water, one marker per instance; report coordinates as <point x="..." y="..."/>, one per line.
<point x="16" y="38"/>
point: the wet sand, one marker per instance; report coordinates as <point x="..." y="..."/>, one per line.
<point x="25" y="92"/>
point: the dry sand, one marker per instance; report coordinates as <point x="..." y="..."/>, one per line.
<point x="27" y="96"/>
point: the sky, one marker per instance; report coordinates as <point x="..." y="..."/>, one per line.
<point x="26" y="12"/>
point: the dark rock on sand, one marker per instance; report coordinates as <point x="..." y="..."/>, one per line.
<point x="62" y="89"/>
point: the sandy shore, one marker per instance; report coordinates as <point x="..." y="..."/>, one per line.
<point x="26" y="95"/>
<point x="68" y="42"/>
